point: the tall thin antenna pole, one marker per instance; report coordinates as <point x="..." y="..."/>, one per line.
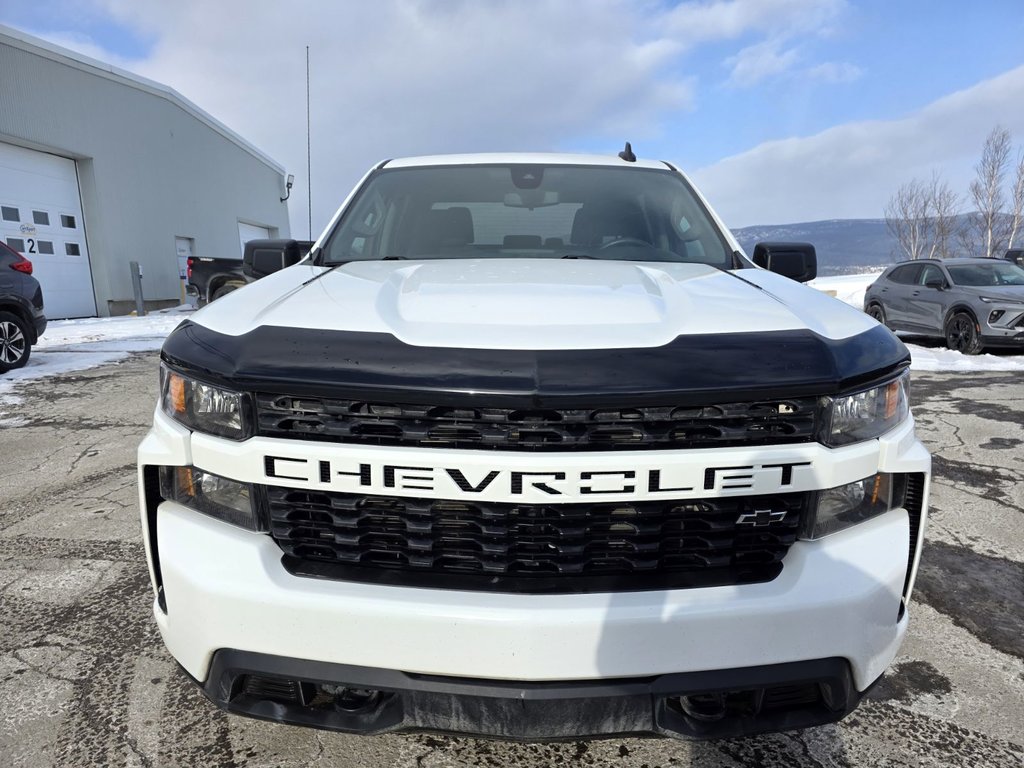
<point x="309" y="164"/>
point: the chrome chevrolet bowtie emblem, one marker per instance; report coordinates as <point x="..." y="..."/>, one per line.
<point x="760" y="517"/>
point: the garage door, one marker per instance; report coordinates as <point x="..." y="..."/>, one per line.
<point x="41" y="217"/>
<point x="247" y="232"/>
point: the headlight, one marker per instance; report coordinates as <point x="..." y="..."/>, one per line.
<point x="866" y="415"/>
<point x="996" y="300"/>
<point x="839" y="508"/>
<point x="203" y="407"/>
<point x="211" y="494"/>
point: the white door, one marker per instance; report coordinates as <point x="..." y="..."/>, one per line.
<point x="247" y="232"/>
<point x="41" y="218"/>
<point x="183" y="249"/>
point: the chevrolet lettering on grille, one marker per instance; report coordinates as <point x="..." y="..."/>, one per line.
<point x="458" y="482"/>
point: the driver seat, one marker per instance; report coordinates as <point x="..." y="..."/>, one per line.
<point x="598" y="223"/>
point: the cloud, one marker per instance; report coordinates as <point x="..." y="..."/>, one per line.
<point x="764" y="61"/>
<point x="759" y="62"/>
<point x="834" y="72"/>
<point x="400" y="77"/>
<point x="851" y="170"/>
<point x="700" y="22"/>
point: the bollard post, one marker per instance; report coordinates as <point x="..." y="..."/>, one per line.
<point x="140" y="304"/>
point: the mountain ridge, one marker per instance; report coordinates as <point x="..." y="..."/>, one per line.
<point x="844" y="246"/>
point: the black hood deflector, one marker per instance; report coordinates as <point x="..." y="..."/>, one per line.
<point x="692" y="369"/>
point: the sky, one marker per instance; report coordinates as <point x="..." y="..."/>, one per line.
<point x="781" y="111"/>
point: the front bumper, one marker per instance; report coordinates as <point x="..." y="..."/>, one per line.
<point x="1003" y="326"/>
<point x="219" y="587"/>
<point x="1013" y="340"/>
<point x="694" y="705"/>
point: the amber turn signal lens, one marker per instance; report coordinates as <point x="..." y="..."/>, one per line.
<point x="176" y="390"/>
<point x="892" y="399"/>
<point x="185" y="481"/>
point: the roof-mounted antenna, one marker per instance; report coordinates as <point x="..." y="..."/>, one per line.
<point x="627" y="154"/>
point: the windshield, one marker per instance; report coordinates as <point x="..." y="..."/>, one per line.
<point x="997" y="273"/>
<point x="527" y="211"/>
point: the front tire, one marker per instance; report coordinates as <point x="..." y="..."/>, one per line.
<point x="877" y="313"/>
<point x="962" y="334"/>
<point x="14" y="344"/>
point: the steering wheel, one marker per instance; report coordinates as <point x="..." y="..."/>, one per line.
<point x="624" y="241"/>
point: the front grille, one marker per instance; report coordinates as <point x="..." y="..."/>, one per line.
<point x="534" y="548"/>
<point x="537" y="429"/>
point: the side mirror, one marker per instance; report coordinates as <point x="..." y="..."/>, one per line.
<point x="935" y="282"/>
<point x="797" y="261"/>
<point x="264" y="257"/>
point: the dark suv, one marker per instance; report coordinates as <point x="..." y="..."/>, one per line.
<point x="972" y="303"/>
<point x="22" y="321"/>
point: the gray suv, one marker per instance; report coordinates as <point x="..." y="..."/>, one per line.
<point x="972" y="303"/>
<point x="22" y="321"/>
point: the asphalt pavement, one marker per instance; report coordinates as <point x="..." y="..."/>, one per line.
<point x="85" y="680"/>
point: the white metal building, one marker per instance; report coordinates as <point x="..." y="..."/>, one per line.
<point x="100" y="167"/>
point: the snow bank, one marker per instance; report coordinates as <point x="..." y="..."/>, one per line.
<point x="847" y="288"/>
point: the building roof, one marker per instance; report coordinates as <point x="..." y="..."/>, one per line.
<point x="31" y="44"/>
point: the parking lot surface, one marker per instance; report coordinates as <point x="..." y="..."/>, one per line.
<point x="85" y="680"/>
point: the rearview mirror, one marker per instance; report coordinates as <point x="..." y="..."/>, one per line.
<point x="935" y="282"/>
<point x="264" y="257"/>
<point x="797" y="261"/>
<point x="532" y="198"/>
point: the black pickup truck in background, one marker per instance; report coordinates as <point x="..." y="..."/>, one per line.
<point x="210" y="278"/>
<point x="1016" y="255"/>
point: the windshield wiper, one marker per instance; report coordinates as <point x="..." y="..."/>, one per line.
<point x="578" y="256"/>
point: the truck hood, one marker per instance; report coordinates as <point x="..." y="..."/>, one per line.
<point x="529" y="333"/>
<point x="531" y="304"/>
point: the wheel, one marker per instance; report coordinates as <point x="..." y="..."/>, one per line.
<point x="224" y="290"/>
<point x="962" y="334"/>
<point x="876" y="312"/>
<point x="14" y="345"/>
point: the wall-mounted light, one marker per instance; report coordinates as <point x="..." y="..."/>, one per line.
<point x="288" y="187"/>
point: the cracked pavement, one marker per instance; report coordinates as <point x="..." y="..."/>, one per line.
<point x="85" y="680"/>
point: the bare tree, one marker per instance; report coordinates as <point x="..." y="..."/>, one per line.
<point x="943" y="205"/>
<point x="906" y="218"/>
<point x="1017" y="202"/>
<point x="987" y="231"/>
<point x="922" y="218"/>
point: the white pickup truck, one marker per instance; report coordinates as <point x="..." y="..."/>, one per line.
<point x="527" y="447"/>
